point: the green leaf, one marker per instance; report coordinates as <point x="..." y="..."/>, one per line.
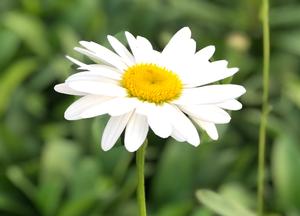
<point x="285" y="15"/>
<point x="221" y="205"/>
<point x="13" y="77"/>
<point x="9" y="43"/>
<point x="58" y="164"/>
<point x="176" y="209"/>
<point x="12" y="205"/>
<point x="292" y="85"/>
<point x="285" y="168"/>
<point x="288" y="41"/>
<point x="49" y="195"/>
<point x="78" y="207"/>
<point x="17" y="177"/>
<point x="177" y="162"/>
<point x="203" y="10"/>
<point x="30" y="29"/>
<point x="68" y="38"/>
<point x="84" y="180"/>
<point x="59" y="159"/>
<point x="237" y="193"/>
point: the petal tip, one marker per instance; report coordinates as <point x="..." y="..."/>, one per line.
<point x="186" y="30"/>
<point x="105" y="148"/>
<point x="243" y="90"/>
<point x="214" y="137"/>
<point x="83" y="43"/>
<point x="56" y="87"/>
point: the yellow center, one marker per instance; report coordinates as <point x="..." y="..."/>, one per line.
<point x="152" y="83"/>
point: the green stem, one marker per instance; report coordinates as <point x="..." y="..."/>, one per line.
<point x="140" y="162"/>
<point x="265" y="107"/>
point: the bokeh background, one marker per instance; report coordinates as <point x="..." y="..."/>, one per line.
<point x="50" y="166"/>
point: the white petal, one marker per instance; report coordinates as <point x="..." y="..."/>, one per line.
<point x="104" y="54"/>
<point x="179" y="52"/>
<point x="208" y="73"/>
<point x="91" y="76"/>
<point x="210" y="113"/>
<point x="141" y="49"/>
<point x="121" y="50"/>
<point x="97" y="88"/>
<point x="181" y="123"/>
<point x="158" y="121"/>
<point x="230" y="105"/>
<point x="89" y="54"/>
<point x="206" y="53"/>
<point x="209" y="127"/>
<point x="119" y="106"/>
<point x="113" y="130"/>
<point x="143" y="43"/>
<point x="75" y="61"/>
<point x="136" y="132"/>
<point x="103" y="70"/>
<point x="180" y="36"/>
<point x="113" y="107"/>
<point x="65" y="89"/>
<point x="179" y="57"/>
<point x="177" y="135"/>
<point x="144" y="52"/>
<point x="220" y="63"/>
<point x="210" y="94"/>
<point x="132" y="43"/>
<point x="75" y="110"/>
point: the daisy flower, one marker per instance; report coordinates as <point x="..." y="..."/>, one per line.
<point x="169" y="91"/>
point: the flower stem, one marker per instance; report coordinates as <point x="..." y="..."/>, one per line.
<point x="265" y="107"/>
<point x="140" y="162"/>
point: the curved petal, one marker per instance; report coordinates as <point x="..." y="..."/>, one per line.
<point x="179" y="51"/>
<point x="158" y="121"/>
<point x="210" y="113"/>
<point x="136" y="132"/>
<point x="113" y="130"/>
<point x="209" y="127"/>
<point x="179" y="37"/>
<point x="144" y="51"/>
<point x="75" y="110"/>
<point x="121" y="50"/>
<point x="210" y="94"/>
<point x="119" y="106"/>
<point x="75" y="61"/>
<point x="113" y="107"/>
<point x="205" y="53"/>
<point x="212" y="72"/>
<point x="141" y="49"/>
<point x="65" y="89"/>
<point x="177" y="135"/>
<point x="230" y="105"/>
<point x="132" y="43"/>
<point x="89" y="54"/>
<point x="104" y="54"/>
<point x="97" y="88"/>
<point x="143" y="43"/>
<point x="181" y="123"/>
<point x="103" y="70"/>
<point x="92" y="76"/>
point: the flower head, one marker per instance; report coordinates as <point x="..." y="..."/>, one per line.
<point x="165" y="91"/>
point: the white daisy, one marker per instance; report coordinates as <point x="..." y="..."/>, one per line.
<point x="145" y="88"/>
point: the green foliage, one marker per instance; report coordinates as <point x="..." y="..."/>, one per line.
<point x="285" y="170"/>
<point x="49" y="166"/>
<point x="221" y="204"/>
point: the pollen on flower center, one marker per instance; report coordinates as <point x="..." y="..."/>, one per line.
<point x="152" y="83"/>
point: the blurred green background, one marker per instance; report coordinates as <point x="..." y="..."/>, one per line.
<point x="50" y="166"/>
